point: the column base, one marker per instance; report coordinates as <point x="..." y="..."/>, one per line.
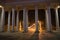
<point x="36" y="31"/>
<point x="2" y="31"/>
<point x="25" y="31"/>
<point x="49" y="31"/>
<point x="17" y="31"/>
<point x="8" y="31"/>
<point x="13" y="31"/>
<point x="57" y="30"/>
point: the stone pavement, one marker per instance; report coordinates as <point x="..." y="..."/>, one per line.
<point x="30" y="36"/>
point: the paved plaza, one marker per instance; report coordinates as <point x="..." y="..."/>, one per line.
<point x="30" y="36"/>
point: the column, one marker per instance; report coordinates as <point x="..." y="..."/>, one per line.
<point x="17" y="21"/>
<point x="13" y="19"/>
<point x="48" y="19"/>
<point x="57" y="19"/>
<point x="25" y="20"/>
<point x="2" y="20"/>
<point x="36" y="19"/>
<point x="9" y="21"/>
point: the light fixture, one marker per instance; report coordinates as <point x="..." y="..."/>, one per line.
<point x="1" y="6"/>
<point x="58" y="7"/>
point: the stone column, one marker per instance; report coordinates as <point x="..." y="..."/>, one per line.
<point x="9" y="21"/>
<point x="2" y="20"/>
<point x="48" y="19"/>
<point x="13" y="19"/>
<point x="17" y="21"/>
<point x="36" y="19"/>
<point x="25" y="20"/>
<point x="57" y="19"/>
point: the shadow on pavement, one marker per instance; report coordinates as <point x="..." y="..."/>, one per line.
<point x="35" y="36"/>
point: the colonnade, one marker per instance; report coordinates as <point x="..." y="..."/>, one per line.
<point x="25" y="19"/>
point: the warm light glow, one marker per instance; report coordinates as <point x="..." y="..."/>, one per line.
<point x="40" y="23"/>
<point x="20" y="28"/>
<point x="58" y="7"/>
<point x="1" y="6"/>
<point x="33" y="28"/>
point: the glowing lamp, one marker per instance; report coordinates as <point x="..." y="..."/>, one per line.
<point x="1" y="6"/>
<point x="58" y="7"/>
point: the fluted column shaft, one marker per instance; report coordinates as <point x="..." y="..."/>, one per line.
<point x="25" y="20"/>
<point x="13" y="19"/>
<point x="48" y="19"/>
<point x="17" y="21"/>
<point x="2" y="19"/>
<point x="36" y="19"/>
<point x="9" y="13"/>
<point x="57" y="19"/>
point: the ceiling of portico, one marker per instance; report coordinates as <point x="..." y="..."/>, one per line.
<point x="7" y="1"/>
<point x="29" y="4"/>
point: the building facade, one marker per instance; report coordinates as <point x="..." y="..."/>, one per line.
<point x="16" y="5"/>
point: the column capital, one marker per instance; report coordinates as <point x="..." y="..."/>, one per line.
<point x="7" y="8"/>
<point x="18" y="9"/>
<point x="48" y="7"/>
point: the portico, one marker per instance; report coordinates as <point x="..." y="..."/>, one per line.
<point x="12" y="8"/>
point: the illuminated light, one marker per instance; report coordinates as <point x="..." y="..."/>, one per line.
<point x="20" y="28"/>
<point x="40" y="23"/>
<point x="32" y="27"/>
<point x="1" y="6"/>
<point x="58" y="7"/>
